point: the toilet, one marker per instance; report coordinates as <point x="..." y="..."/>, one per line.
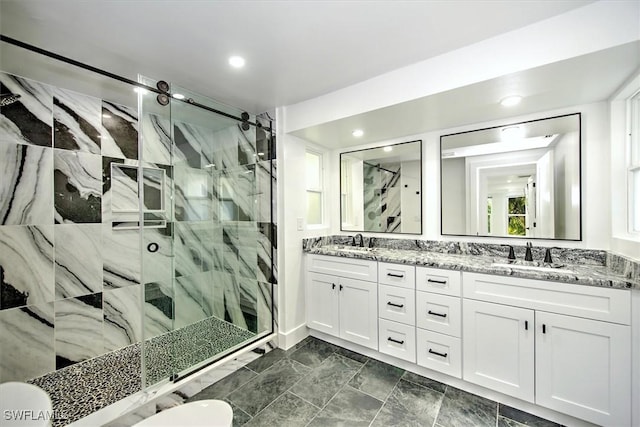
<point x="201" y="413"/>
<point x="24" y="405"/>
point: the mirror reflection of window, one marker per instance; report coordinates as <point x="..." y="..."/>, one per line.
<point x="517" y="216"/>
<point x="540" y="163"/>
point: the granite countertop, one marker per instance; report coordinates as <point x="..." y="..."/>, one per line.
<point x="590" y="275"/>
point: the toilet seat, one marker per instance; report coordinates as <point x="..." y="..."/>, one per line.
<point x="201" y="413"/>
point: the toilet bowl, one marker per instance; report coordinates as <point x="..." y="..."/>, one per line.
<point x="24" y="405"/>
<point x="210" y="413"/>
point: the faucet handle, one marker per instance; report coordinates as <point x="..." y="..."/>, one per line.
<point x="547" y="256"/>
<point x="528" y="255"/>
<point x="512" y="254"/>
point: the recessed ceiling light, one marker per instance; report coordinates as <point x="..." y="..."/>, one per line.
<point x="510" y="101"/>
<point x="106" y="116"/>
<point x="388" y="148"/>
<point x="357" y="133"/>
<point x="511" y="133"/>
<point x="178" y="96"/>
<point x="260" y="154"/>
<point x="236" y="61"/>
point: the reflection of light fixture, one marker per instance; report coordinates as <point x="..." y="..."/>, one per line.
<point x="512" y="132"/>
<point x="357" y="133"/>
<point x="210" y="165"/>
<point x="140" y="90"/>
<point x="510" y="101"/>
<point x="178" y="96"/>
<point x="106" y="116"/>
<point x="236" y="61"/>
<point x="260" y="154"/>
<point x="388" y="148"/>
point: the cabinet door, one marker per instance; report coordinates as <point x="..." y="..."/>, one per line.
<point x="322" y="303"/>
<point x="498" y="348"/>
<point x="359" y="312"/>
<point x="582" y="368"/>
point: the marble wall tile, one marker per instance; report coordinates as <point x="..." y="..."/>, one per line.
<point x="77" y="186"/>
<point x="249" y="302"/>
<point x="193" y="194"/>
<point x="121" y="257"/>
<point x="76" y="121"/>
<point x="223" y="152"/>
<point x="246" y="145"/>
<point x="232" y="301"/>
<point x="28" y="119"/>
<point x="215" y="294"/>
<point x="119" y="131"/>
<point x="194" y="247"/>
<point x="263" y="190"/>
<point x="78" y="328"/>
<point x="27" y="342"/>
<point x="158" y="309"/>
<point x="230" y="247"/>
<point x="190" y="140"/>
<point x="190" y="301"/>
<point x="78" y="256"/>
<point x="157" y="266"/>
<point x="122" y="317"/>
<point x="26" y="189"/>
<point x="26" y="265"/>
<point x="247" y="249"/>
<point x="265" y="144"/>
<point x="244" y="194"/>
<point x="156" y="138"/>
<point x="264" y="307"/>
<point x="267" y="244"/>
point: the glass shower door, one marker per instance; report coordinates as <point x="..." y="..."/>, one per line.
<point x="208" y="293"/>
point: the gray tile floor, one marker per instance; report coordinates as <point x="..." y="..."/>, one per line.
<point x="320" y="384"/>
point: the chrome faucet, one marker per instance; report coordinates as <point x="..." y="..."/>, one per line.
<point x="361" y="244"/>
<point x="528" y="256"/>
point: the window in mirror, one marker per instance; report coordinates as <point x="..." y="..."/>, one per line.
<point x="381" y="189"/>
<point x="313" y="168"/>
<point x="518" y="180"/>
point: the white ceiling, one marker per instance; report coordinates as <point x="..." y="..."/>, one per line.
<point x="576" y="81"/>
<point x="295" y="50"/>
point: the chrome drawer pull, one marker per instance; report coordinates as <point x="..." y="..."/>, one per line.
<point x="433" y="313"/>
<point x="395" y="341"/>
<point x="438" y="354"/>
<point x="441" y="282"/>
<point x="395" y="305"/>
<point x="395" y="275"/>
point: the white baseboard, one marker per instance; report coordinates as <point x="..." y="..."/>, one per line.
<point x="286" y="340"/>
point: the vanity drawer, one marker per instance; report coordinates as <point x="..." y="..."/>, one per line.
<point x="439" y="313"/>
<point x="591" y="302"/>
<point x="397" y="304"/>
<point x="361" y="269"/>
<point x="439" y="352"/>
<point x="445" y="282"/>
<point x="397" y="275"/>
<point x="397" y="340"/>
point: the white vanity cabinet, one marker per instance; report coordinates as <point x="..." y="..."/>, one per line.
<point x="561" y="346"/>
<point x="439" y="320"/>
<point x="342" y="298"/>
<point x="396" y="310"/>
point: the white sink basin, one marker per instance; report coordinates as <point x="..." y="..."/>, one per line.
<point x="532" y="268"/>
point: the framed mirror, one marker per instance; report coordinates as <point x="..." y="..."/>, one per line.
<point x="520" y="180"/>
<point x="381" y="189"/>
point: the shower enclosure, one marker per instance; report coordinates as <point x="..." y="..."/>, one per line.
<point x="206" y="230"/>
<point x="137" y="229"/>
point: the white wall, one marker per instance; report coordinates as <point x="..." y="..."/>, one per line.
<point x="588" y="29"/>
<point x="455" y="208"/>
<point x="409" y="200"/>
<point x="566" y="203"/>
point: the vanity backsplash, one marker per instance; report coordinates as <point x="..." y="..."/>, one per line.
<point x="626" y="267"/>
